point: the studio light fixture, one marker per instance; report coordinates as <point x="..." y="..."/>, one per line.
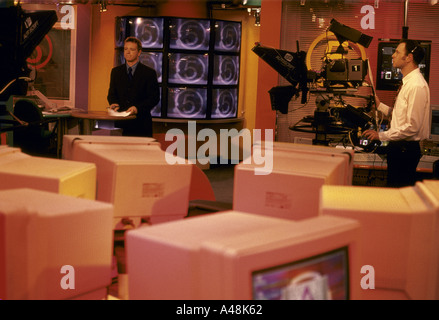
<point x="256" y="12"/>
<point x="103" y="5"/>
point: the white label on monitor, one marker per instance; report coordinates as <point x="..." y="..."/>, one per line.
<point x="277" y="200"/>
<point x="153" y="190"/>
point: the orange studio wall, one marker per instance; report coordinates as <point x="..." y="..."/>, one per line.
<point x="271" y="14"/>
<point x="183" y="8"/>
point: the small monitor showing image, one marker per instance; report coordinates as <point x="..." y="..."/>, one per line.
<point x="149" y="31"/>
<point x="189" y="34"/>
<point x="188" y="68"/>
<point x="226" y="70"/>
<point x="227" y="36"/>
<point x="322" y="277"/>
<point x="224" y="103"/>
<point x="187" y="102"/>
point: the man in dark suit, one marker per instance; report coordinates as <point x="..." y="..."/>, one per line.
<point x="134" y="88"/>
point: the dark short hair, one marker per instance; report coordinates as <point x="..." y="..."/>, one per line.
<point x="413" y="47"/>
<point x="136" y="41"/>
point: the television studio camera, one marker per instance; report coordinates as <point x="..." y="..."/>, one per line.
<point x="22" y="31"/>
<point x="337" y="78"/>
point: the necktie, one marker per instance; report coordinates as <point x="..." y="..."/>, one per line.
<point x="130" y="73"/>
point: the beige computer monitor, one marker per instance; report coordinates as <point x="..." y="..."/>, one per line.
<point x="399" y="237"/>
<point x="226" y="255"/>
<point x="138" y="181"/>
<point x="42" y="232"/>
<point x="345" y="153"/>
<point x="67" y="177"/>
<point x="291" y="189"/>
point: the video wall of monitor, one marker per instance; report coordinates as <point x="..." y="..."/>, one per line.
<point x="197" y="63"/>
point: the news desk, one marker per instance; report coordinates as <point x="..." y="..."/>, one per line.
<point x="61" y="118"/>
<point x="87" y="119"/>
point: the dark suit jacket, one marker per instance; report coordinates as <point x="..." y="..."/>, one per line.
<point x="142" y="92"/>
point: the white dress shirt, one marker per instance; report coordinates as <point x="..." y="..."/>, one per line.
<point x="411" y="112"/>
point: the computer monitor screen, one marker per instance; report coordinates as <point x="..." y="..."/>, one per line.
<point x="399" y="237"/>
<point x="118" y="57"/>
<point x="227" y="36"/>
<point x="221" y="256"/>
<point x="157" y="110"/>
<point x="138" y="181"/>
<point x="154" y="61"/>
<point x="291" y="189"/>
<point x="225" y="70"/>
<point x="322" y="277"/>
<point x="434" y="133"/>
<point x="188" y="68"/>
<point x="121" y="31"/>
<point x="67" y="177"/>
<point x="187" y="102"/>
<point x="148" y="30"/>
<point x="224" y="103"/>
<point x="189" y="34"/>
<point x="388" y="77"/>
<point x="42" y="232"/>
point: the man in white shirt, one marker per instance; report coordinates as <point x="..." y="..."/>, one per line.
<point x="409" y="117"/>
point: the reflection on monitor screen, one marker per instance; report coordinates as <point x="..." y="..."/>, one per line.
<point x="157" y="110"/>
<point x="224" y="103"/>
<point x="323" y="277"/>
<point x="188" y="68"/>
<point x="154" y="61"/>
<point x="226" y="70"/>
<point x="118" y="57"/>
<point x="227" y="36"/>
<point x="121" y="32"/>
<point x="189" y="34"/>
<point x="187" y="102"/>
<point x="149" y="31"/>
